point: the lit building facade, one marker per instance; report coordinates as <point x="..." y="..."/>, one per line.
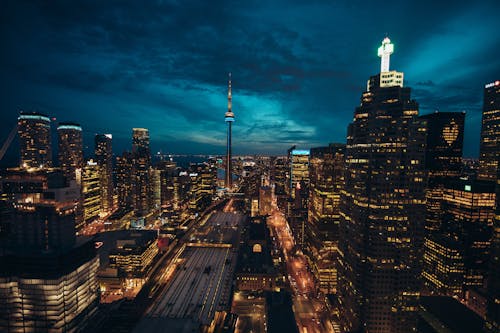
<point x="493" y="285"/>
<point x="70" y="146"/>
<point x="444" y="144"/>
<point x="141" y="163"/>
<point x="44" y="207"/>
<point x="326" y="173"/>
<point x="34" y="138"/>
<point x="91" y="193"/>
<point x="104" y="158"/>
<point x="124" y="164"/>
<point x="443" y="159"/>
<point x="280" y="176"/>
<point x="133" y="256"/>
<point x="203" y="186"/>
<point x="299" y="169"/>
<point x="489" y="149"/>
<point x="457" y="255"/>
<point x="48" y="280"/>
<point x="381" y="212"/>
<point x="49" y="293"/>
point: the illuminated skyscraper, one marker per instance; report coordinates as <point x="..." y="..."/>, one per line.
<point x="91" y="193"/>
<point x="457" y="254"/>
<point x="141" y="155"/>
<point x="381" y="210"/>
<point x="124" y="180"/>
<point x="104" y="158"/>
<point x="443" y="159"/>
<point x="34" y="138"/>
<point x="493" y="284"/>
<point x="326" y="174"/>
<point x="48" y="280"/>
<point x="489" y="150"/>
<point x="298" y="191"/>
<point x="299" y="169"/>
<point x="445" y="138"/>
<point x="229" y="119"/>
<point x="70" y="145"/>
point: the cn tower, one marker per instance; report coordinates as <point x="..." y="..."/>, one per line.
<point x="229" y="118"/>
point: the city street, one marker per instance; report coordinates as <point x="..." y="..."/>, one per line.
<point x="310" y="310"/>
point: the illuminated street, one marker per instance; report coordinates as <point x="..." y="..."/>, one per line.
<point x="310" y="310"/>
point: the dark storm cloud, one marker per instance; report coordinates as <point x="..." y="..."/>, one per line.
<point x="298" y="67"/>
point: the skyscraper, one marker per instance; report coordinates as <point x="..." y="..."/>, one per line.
<point x="104" y="159"/>
<point x="456" y="255"/>
<point x="444" y="144"/>
<point x="381" y="208"/>
<point x="124" y="180"/>
<point x="70" y="146"/>
<point x="34" y="138"/>
<point x="326" y="179"/>
<point x="91" y="193"/>
<point x="141" y="155"/>
<point x="489" y="150"/>
<point x="443" y="160"/>
<point x="48" y="280"/>
<point x="229" y="119"/>
<point x="299" y="169"/>
<point x="493" y="306"/>
<point x="298" y="191"/>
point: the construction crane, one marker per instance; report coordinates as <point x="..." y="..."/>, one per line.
<point x="7" y="142"/>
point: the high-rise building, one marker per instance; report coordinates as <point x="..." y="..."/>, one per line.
<point x="141" y="162"/>
<point x="168" y="175"/>
<point x="34" y="138"/>
<point x="155" y="187"/>
<point x="229" y="119"/>
<point x="443" y="160"/>
<point x="124" y="186"/>
<point x="298" y="193"/>
<point x="493" y="284"/>
<point x="456" y="255"/>
<point x="203" y="185"/>
<point x="48" y="280"/>
<point x="382" y="208"/>
<point x="489" y="150"/>
<point x="91" y="193"/>
<point x="444" y="144"/>
<point x="326" y="174"/>
<point x="279" y="175"/>
<point x="299" y="169"/>
<point x="44" y="208"/>
<point x="104" y="158"/>
<point x="70" y="146"/>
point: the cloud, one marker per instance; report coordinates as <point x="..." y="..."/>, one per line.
<point x="299" y="67"/>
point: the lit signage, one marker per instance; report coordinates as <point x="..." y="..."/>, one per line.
<point x="300" y="152"/>
<point x="468" y="188"/>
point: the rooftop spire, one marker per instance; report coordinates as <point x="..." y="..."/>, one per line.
<point x="384" y="52"/>
<point x="229" y="113"/>
<point x="229" y="97"/>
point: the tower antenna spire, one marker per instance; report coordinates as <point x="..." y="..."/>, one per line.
<point x="229" y="97"/>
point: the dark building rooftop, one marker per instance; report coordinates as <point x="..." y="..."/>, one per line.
<point x="446" y="314"/>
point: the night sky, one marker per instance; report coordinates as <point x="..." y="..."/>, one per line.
<point x="298" y="68"/>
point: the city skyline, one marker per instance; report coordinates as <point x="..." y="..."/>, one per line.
<point x="103" y="67"/>
<point x="379" y="225"/>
